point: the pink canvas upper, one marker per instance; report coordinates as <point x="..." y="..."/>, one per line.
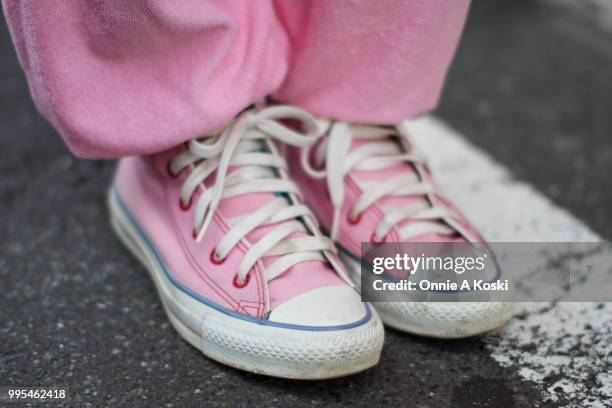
<point x="352" y="232"/>
<point x="151" y="195"/>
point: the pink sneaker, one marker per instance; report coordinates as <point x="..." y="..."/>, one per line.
<point x="370" y="184"/>
<point x="239" y="263"/>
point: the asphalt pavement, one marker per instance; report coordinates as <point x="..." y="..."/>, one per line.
<point x="531" y="85"/>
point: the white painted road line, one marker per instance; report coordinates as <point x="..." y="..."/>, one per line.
<point x="564" y="347"/>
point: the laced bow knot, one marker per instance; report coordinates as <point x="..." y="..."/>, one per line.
<point x="264" y="121"/>
<point x="340" y="156"/>
<point x="244" y="164"/>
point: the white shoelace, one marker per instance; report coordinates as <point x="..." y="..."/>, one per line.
<point x="255" y="169"/>
<point x="377" y="151"/>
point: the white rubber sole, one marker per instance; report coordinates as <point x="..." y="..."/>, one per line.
<point x="250" y="344"/>
<point x="445" y="320"/>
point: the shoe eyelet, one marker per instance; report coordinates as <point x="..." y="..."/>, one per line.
<point x="214" y="259"/>
<point x="183" y="206"/>
<point x="353" y="221"/>
<point x="169" y="170"/>
<point x="375" y="241"/>
<point x="239" y="285"/>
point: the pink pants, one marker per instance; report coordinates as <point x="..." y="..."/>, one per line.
<point x="134" y="77"/>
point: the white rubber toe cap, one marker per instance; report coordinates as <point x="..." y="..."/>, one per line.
<point x="326" y="306"/>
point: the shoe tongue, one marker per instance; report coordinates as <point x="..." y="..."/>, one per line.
<point x="367" y="178"/>
<point x="299" y="278"/>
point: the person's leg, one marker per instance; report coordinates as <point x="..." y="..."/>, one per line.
<point x="378" y="63"/>
<point x="120" y="78"/>
<point x="369" y="61"/>
<point x="243" y="272"/>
